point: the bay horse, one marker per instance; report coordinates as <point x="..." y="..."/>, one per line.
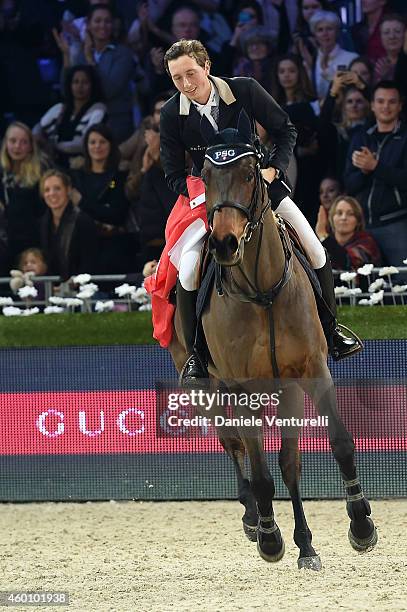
<point x="264" y="326"/>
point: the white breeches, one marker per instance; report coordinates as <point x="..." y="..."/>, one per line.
<point x="189" y="257"/>
<point x="309" y="240"/>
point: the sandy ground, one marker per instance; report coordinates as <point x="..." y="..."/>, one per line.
<point x="187" y="556"/>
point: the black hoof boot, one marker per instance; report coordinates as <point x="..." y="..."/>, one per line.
<point x="270" y="543"/>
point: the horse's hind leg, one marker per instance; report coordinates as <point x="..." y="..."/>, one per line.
<point x="270" y="543"/>
<point x="233" y="445"/>
<point x="290" y="465"/>
<point x="362" y="533"/>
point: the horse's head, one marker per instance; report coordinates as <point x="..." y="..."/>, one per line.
<point x="234" y="188"/>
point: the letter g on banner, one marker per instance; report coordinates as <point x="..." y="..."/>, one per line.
<point x="40" y="423"/>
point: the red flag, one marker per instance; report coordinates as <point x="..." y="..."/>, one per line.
<point x="186" y="225"/>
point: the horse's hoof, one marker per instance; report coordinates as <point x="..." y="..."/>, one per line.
<point x="363" y="545"/>
<point x="250" y="532"/>
<point x="272" y="558"/>
<point x="312" y="563"/>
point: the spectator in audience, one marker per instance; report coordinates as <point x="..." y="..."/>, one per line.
<point x="293" y="91"/>
<point x="392" y="30"/>
<point x="400" y="75"/>
<point x="329" y="189"/>
<point x="100" y="193"/>
<point x="20" y="172"/>
<point x="68" y="235"/>
<point x="248" y="15"/>
<point x="64" y="125"/>
<point x="325" y="26"/>
<point x="376" y="173"/>
<point x="363" y="68"/>
<point x="257" y="61"/>
<point x="344" y="112"/>
<point x="113" y="64"/>
<point x="31" y="263"/>
<point x="348" y="244"/>
<point x="304" y="41"/>
<point x="366" y="34"/>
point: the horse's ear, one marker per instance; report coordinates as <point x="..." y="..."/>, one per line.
<point x="244" y="126"/>
<point x="207" y="131"/>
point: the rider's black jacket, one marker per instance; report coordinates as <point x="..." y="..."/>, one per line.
<point x="180" y="127"/>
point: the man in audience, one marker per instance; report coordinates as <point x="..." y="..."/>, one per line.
<point x="376" y="173"/>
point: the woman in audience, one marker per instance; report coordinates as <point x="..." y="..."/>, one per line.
<point x="329" y="189"/>
<point x="349" y="245"/>
<point x="392" y="31"/>
<point x="68" y="235"/>
<point x="293" y="91"/>
<point x="257" y="61"/>
<point x="325" y="26"/>
<point x="114" y="65"/>
<point x="65" y="124"/>
<point x="100" y="192"/>
<point x="345" y="111"/>
<point x="248" y="15"/>
<point x="304" y="41"/>
<point x="20" y="172"/>
<point x="362" y="67"/>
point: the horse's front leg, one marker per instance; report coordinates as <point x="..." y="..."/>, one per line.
<point x="270" y="543"/>
<point x="292" y="405"/>
<point x="362" y="532"/>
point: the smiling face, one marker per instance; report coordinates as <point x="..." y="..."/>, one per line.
<point x="392" y="36"/>
<point x="328" y="191"/>
<point x="98" y="148"/>
<point x="190" y="78"/>
<point x="100" y="26"/>
<point x="386" y="106"/>
<point x="18" y="144"/>
<point x="55" y="193"/>
<point x="33" y="263"/>
<point x="288" y="74"/>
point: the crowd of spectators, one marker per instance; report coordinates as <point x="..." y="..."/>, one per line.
<point x="83" y="81"/>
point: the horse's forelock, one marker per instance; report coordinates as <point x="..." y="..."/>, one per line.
<point x="229" y="136"/>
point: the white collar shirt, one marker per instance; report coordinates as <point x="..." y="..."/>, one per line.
<point x="211" y="108"/>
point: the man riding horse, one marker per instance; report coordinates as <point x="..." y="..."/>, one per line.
<point x="219" y="101"/>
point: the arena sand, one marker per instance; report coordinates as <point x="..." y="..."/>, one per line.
<point x="188" y="556"/>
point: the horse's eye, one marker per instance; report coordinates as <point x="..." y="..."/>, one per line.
<point x="250" y="177"/>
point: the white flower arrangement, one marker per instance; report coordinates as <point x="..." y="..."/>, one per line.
<point x="347" y="276"/>
<point x="72" y="302"/>
<point x="405" y="261"/>
<point x="125" y="290"/>
<point x="387" y="270"/>
<point x="377" y="284"/>
<point x="366" y="269"/>
<point x="341" y="290"/>
<point x="6" y="301"/>
<point x="12" y="311"/>
<point x="27" y="292"/>
<point x="399" y="288"/>
<point x="352" y="292"/>
<point x="81" y="279"/>
<point x="140" y="296"/>
<point x="365" y="302"/>
<point x="145" y="307"/>
<point x="58" y="301"/>
<point x="104" y="306"/>
<point x="87" y="291"/>
<point x="376" y="298"/>
<point x="53" y="310"/>
<point x="27" y="312"/>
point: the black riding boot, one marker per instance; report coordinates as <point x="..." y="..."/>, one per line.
<point x="194" y="368"/>
<point x="339" y="345"/>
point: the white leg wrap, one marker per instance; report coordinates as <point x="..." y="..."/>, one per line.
<point x="314" y="249"/>
<point x="189" y="261"/>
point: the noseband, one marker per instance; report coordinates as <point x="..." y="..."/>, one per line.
<point x="223" y="155"/>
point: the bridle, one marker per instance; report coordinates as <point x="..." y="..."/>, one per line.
<point x="222" y="155"/>
<point x="240" y="150"/>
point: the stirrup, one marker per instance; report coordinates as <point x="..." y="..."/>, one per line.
<point x="346" y="349"/>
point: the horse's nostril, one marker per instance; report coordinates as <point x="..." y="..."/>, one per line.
<point x="231" y="243"/>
